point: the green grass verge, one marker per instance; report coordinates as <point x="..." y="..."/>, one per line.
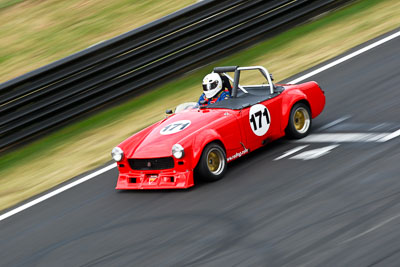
<point x="8" y="3"/>
<point x="35" y="33"/>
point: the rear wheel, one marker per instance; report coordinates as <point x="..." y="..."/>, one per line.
<point x="299" y="124"/>
<point x="212" y="165"/>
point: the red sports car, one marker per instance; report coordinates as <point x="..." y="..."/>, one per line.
<point x="199" y="141"/>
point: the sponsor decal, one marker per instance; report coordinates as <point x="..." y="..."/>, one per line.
<point x="152" y="178"/>
<point x="238" y="155"/>
<point x="259" y="119"/>
<point x="175" y="127"/>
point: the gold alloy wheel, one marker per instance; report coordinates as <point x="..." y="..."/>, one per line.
<point x="301" y="120"/>
<point x="215" y="161"/>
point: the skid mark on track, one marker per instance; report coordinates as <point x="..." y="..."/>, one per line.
<point x="333" y="123"/>
<point x="190" y="243"/>
<point x="372" y="228"/>
<point x="341" y="231"/>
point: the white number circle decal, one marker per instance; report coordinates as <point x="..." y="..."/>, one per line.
<point x="259" y="119"/>
<point x="175" y="127"/>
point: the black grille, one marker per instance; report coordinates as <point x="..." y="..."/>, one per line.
<point x="151" y="164"/>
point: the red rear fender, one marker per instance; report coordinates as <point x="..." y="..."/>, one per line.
<point x="310" y="93"/>
<point x="315" y="97"/>
<point x="290" y="98"/>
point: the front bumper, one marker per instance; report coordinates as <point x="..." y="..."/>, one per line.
<point x="155" y="180"/>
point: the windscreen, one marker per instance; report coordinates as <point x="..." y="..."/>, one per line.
<point x="186" y="106"/>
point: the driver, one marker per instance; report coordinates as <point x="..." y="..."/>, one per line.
<point x="213" y="90"/>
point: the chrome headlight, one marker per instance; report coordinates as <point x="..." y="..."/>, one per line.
<point x="117" y="154"/>
<point x="178" y="151"/>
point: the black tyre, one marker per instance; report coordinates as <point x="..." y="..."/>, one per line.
<point x="299" y="124"/>
<point x="212" y="165"/>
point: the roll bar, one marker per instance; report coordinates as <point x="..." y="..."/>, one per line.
<point x="225" y="69"/>
<point x="236" y="70"/>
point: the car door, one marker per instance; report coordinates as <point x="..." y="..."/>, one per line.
<point x="261" y="122"/>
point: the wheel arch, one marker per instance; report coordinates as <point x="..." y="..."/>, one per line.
<point x="201" y="141"/>
<point x="305" y="102"/>
<point x="286" y="112"/>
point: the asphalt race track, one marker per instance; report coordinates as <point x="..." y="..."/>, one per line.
<point x="313" y="203"/>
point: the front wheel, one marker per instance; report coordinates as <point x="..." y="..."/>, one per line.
<point x="212" y="165"/>
<point x="299" y="124"/>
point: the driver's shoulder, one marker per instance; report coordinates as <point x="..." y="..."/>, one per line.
<point x="224" y="94"/>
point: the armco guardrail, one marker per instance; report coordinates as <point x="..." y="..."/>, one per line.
<point x="44" y="98"/>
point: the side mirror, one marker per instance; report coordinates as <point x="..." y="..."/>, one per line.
<point x="168" y="112"/>
<point x="272" y="77"/>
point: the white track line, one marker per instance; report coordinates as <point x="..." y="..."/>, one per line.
<point x="105" y="169"/>
<point x="345" y="137"/>
<point x="290" y="152"/>
<point x="390" y="136"/>
<point x="343" y="59"/>
<point x="315" y="153"/>
<point x="56" y="192"/>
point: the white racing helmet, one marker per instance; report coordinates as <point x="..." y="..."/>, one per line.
<point x="212" y="84"/>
